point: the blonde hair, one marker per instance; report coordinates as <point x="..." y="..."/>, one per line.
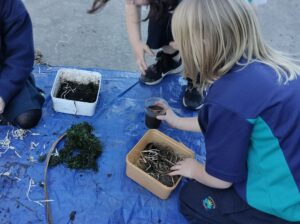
<point x="213" y="35"/>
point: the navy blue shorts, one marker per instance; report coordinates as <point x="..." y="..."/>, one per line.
<point x="204" y="205"/>
<point x="159" y="31"/>
<point x="29" y="98"/>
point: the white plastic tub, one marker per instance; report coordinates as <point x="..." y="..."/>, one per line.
<point x="73" y="106"/>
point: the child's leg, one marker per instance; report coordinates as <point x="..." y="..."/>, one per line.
<point x="199" y="205"/>
<point x="28" y="119"/>
<point x="202" y="204"/>
<point x="168" y="59"/>
<point x="159" y="32"/>
<point x="25" y="109"/>
<point x="169" y="50"/>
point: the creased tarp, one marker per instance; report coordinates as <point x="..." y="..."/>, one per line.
<point x="108" y="196"/>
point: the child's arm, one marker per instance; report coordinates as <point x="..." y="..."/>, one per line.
<point x="182" y="123"/>
<point x="191" y="168"/>
<point x="133" y="22"/>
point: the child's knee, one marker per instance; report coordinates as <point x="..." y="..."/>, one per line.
<point x="185" y="201"/>
<point x="28" y="119"/>
<point x="192" y="205"/>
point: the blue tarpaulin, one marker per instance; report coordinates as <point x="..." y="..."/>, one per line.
<point x="106" y="196"/>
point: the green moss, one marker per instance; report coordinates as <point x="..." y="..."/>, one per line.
<point x="81" y="149"/>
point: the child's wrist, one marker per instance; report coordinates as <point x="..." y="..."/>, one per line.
<point x="179" y="123"/>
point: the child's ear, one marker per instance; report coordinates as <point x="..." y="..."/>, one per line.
<point x="97" y="5"/>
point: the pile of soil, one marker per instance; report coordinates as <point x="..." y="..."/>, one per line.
<point x="78" y="91"/>
<point x="156" y="160"/>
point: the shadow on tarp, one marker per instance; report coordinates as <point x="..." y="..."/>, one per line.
<point x="108" y="196"/>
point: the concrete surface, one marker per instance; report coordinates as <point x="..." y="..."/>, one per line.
<point x="66" y="35"/>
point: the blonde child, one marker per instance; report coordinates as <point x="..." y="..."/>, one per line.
<point x="250" y="118"/>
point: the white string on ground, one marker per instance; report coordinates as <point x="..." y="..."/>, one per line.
<point x="33" y="145"/>
<point x="19" y="133"/>
<point x="5" y="144"/>
<point x="32" y="159"/>
<point x="30" y="186"/>
<point x="8" y="174"/>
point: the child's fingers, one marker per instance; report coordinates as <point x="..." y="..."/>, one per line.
<point x="142" y="70"/>
<point x="142" y="66"/>
<point x="176" y="167"/>
<point x="161" y="104"/>
<point x="161" y="117"/>
<point x="174" y="173"/>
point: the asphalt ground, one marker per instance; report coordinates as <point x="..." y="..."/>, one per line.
<point x="68" y="36"/>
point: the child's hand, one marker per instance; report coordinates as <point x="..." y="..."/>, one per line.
<point x="186" y="168"/>
<point x="170" y="117"/>
<point x="139" y="50"/>
<point x="181" y="123"/>
<point x="192" y="169"/>
<point x="2" y="105"/>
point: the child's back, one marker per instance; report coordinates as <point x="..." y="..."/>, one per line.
<point x="249" y="118"/>
<point x="254" y="106"/>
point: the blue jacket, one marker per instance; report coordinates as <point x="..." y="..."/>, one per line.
<point x="16" y="48"/>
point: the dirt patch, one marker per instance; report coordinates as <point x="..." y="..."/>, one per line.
<point x="71" y="90"/>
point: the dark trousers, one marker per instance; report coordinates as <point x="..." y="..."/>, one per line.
<point x="159" y="31"/>
<point x="204" y="205"/>
<point x="28" y="101"/>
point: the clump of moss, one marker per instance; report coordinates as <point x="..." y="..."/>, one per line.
<point x="81" y="149"/>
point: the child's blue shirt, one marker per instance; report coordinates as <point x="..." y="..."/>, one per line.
<point x="251" y="125"/>
<point x="16" y="48"/>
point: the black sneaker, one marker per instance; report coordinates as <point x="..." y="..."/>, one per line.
<point x="165" y="64"/>
<point x="192" y="98"/>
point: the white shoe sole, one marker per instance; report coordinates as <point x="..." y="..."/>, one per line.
<point x="192" y="108"/>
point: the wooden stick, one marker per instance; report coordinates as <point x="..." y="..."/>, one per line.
<point x="48" y="208"/>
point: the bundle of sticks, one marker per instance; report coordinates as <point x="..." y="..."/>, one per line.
<point x="156" y="160"/>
